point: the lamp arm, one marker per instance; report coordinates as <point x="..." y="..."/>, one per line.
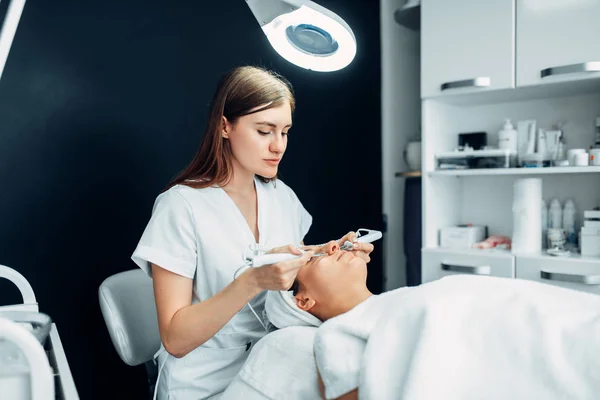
<point x="266" y="11"/>
<point x="9" y="27"/>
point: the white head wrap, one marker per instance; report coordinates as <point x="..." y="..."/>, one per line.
<point x="282" y="311"/>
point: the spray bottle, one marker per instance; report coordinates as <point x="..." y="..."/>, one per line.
<point x="569" y="223"/>
<point x="544" y="223"/>
<point x="555" y="214"/>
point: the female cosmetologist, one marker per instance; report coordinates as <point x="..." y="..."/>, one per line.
<point x="226" y="199"/>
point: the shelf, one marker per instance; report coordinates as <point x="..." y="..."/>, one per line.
<point x="516" y="171"/>
<point x="410" y="174"/>
<point x="573" y="257"/>
<point x="472" y="252"/>
<point x="564" y="88"/>
<point x="507" y="253"/>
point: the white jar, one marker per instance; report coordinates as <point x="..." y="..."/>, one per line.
<point x="571" y="155"/>
<point x="581" y="159"/>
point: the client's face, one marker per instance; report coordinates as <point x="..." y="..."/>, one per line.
<point x="325" y="278"/>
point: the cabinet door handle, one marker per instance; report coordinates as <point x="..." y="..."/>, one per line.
<point x="467" y="269"/>
<point x="585" y="279"/>
<point x="591" y="66"/>
<point x="477" y="83"/>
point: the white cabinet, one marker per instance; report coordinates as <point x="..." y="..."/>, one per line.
<point x="466" y="45"/>
<point x="557" y="40"/>
<point x="578" y="273"/>
<point x="437" y="263"/>
<point x="506" y="44"/>
<point x="484" y="197"/>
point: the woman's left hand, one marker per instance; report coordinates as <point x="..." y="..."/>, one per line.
<point x="361" y="250"/>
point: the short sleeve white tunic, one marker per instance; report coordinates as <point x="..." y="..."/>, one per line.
<point x="202" y="235"/>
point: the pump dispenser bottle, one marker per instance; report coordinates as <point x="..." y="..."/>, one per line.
<point x="507" y="137"/>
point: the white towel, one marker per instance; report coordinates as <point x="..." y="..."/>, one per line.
<point x="474" y="337"/>
<point x="282" y="311"/>
<point x="340" y="344"/>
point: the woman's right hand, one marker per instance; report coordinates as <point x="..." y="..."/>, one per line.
<point x="281" y="275"/>
<point x="285" y="249"/>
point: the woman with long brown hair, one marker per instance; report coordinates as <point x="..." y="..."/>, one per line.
<point x="226" y="199"/>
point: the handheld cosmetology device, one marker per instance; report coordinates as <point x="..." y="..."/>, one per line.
<point x="257" y="257"/>
<point x="368" y="236"/>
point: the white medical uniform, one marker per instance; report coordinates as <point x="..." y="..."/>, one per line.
<point x="202" y="235"/>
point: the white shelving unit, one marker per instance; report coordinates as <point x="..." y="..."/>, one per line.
<point x="518" y="55"/>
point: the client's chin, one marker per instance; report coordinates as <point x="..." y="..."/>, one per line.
<point x="269" y="172"/>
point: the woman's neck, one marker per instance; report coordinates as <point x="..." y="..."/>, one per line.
<point x="241" y="182"/>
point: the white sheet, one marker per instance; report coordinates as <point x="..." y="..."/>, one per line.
<point x="466" y="337"/>
<point x="460" y="338"/>
<point x="280" y="366"/>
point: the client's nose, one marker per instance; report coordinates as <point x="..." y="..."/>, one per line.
<point x="331" y="247"/>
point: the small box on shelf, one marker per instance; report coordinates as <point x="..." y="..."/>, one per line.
<point x="462" y="236"/>
<point x="476" y="159"/>
<point x="590" y="234"/>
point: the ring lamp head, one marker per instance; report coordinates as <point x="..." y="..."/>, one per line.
<point x="305" y="33"/>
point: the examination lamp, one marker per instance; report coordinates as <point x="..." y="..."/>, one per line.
<point x="9" y="27"/>
<point x="305" y="33"/>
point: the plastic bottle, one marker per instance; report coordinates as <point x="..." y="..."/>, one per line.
<point x="597" y="132"/>
<point x="507" y="137"/>
<point x="561" y="150"/>
<point x="544" y="223"/>
<point x="555" y="214"/>
<point x="569" y="221"/>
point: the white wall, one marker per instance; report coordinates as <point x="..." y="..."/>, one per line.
<point x="401" y="118"/>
